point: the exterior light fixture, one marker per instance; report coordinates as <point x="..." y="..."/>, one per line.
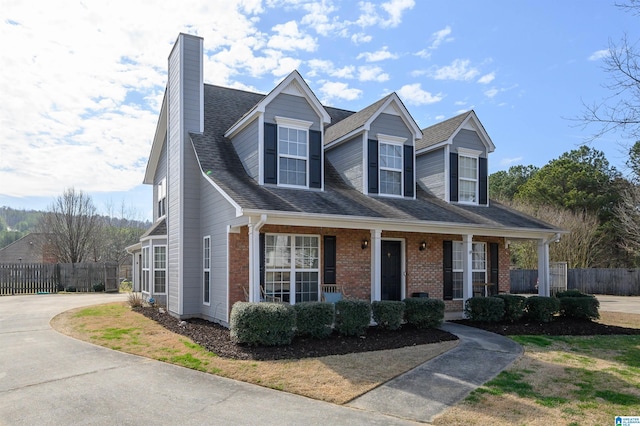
<point x="365" y="244"/>
<point x="423" y="246"/>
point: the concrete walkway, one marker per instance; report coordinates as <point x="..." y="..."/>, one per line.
<point x="49" y="379"/>
<point x="431" y="388"/>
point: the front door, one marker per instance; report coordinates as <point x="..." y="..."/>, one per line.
<point x="391" y="281"/>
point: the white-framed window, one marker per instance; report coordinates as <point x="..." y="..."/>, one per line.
<point x="292" y="267"/>
<point x="159" y="269"/>
<point x="478" y="266"/>
<point x="468" y="175"/>
<point x="145" y="269"/>
<point x="390" y="164"/>
<point x="206" y="270"/>
<point x="293" y="151"/>
<point x="162" y="197"/>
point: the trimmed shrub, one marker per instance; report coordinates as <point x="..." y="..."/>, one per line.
<point x="314" y="319"/>
<point x="584" y="307"/>
<point x="388" y="313"/>
<point x="541" y="308"/>
<point x="97" y="287"/>
<point x="486" y="309"/>
<point x="267" y="324"/>
<point x="423" y="312"/>
<point x="513" y="306"/>
<point x="352" y="317"/>
<point x="571" y="293"/>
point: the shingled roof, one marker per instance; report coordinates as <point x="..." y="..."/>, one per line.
<point x="441" y="132"/>
<point x="220" y="162"/>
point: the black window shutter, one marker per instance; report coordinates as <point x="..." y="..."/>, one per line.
<point x="409" y="185"/>
<point x="373" y="166"/>
<point x="270" y="153"/>
<point x="315" y="159"/>
<point x="261" y="249"/>
<point x="329" y="259"/>
<point x="453" y="176"/>
<point x="447" y="269"/>
<point x="493" y="259"/>
<point x="483" y="180"/>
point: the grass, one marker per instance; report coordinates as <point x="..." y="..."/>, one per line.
<point x="336" y="379"/>
<point x="561" y="380"/>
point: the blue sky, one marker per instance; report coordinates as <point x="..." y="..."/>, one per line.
<point x="81" y="82"/>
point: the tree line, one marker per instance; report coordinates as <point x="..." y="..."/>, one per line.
<point x="76" y="232"/>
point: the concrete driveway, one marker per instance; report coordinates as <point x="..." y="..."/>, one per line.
<point x="626" y="304"/>
<point x="50" y="379"/>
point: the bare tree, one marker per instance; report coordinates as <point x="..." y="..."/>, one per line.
<point x="72" y="224"/>
<point x="620" y="111"/>
<point x="121" y="227"/>
<point x="580" y="248"/>
<point x="628" y="213"/>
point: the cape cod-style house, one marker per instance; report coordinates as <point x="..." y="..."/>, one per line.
<point x="259" y="196"/>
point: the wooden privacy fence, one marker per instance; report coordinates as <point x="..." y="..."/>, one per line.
<point x="33" y="278"/>
<point x="613" y="281"/>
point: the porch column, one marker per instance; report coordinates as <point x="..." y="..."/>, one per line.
<point x="467" y="259"/>
<point x="254" y="257"/>
<point x="543" y="268"/>
<point x="376" y="270"/>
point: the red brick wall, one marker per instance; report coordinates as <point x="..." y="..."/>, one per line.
<point x="353" y="264"/>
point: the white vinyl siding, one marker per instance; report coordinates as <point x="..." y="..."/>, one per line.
<point x="292" y="265"/>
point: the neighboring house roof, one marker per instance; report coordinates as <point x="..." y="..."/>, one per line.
<point x="157" y="229"/>
<point x="28" y="249"/>
<point x="445" y="131"/>
<point x="222" y="166"/>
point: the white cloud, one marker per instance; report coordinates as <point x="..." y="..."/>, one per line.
<point x="335" y="90"/>
<point x="289" y="37"/>
<point x="395" y="9"/>
<point x="510" y="161"/>
<point x="599" y="54"/>
<point x="372" y="73"/>
<point x="378" y="56"/>
<point x="491" y="92"/>
<point x="438" y="38"/>
<point x="360" y="38"/>
<point x="413" y="94"/>
<point x="324" y="66"/>
<point x="487" y="78"/>
<point x="458" y="70"/>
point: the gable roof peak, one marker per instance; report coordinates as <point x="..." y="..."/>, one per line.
<point x="444" y="131"/>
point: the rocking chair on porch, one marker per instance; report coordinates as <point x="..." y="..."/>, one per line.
<point x="331" y="293"/>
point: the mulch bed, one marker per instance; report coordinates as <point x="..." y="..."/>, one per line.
<point x="560" y="326"/>
<point x="215" y="338"/>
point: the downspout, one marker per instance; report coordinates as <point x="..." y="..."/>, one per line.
<point x="254" y="258"/>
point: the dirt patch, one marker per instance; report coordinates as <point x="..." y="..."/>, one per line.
<point x="215" y="338"/>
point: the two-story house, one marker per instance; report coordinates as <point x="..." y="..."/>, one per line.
<point x="274" y="195"/>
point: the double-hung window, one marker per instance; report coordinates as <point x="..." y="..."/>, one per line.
<point x="292" y="265"/>
<point x="468" y="175"/>
<point x="145" y="269"/>
<point x="390" y="162"/>
<point x="206" y="269"/>
<point x="159" y="269"/>
<point x="293" y="151"/>
<point x="478" y="266"/>
<point x="162" y="197"/>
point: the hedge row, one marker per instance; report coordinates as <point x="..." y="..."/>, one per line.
<point x="270" y="324"/>
<point x="510" y="308"/>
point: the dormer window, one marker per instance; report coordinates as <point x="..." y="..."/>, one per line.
<point x="293" y="151"/>
<point x="390" y="169"/>
<point x="468" y="175"/>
